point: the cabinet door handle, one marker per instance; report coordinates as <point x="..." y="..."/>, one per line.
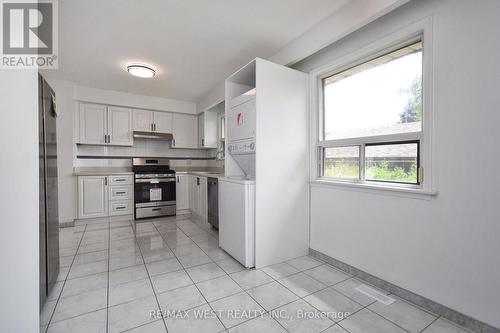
<point x="121" y="192"/>
<point x="105" y="181"/>
<point x="154" y="126"/>
<point x="120" y="180"/>
<point x="155" y="208"/>
<point x="120" y="207"/>
<point x="203" y="142"/>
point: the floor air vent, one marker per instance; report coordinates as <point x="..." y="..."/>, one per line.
<point x="376" y="295"/>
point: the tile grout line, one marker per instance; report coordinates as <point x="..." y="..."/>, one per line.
<point x="313" y="254"/>
<point x="85" y="313"/>
<point x="149" y="277"/>
<point x="331" y="286"/>
<point x="432" y="322"/>
<point x="156" y="229"/>
<point x="185" y="271"/>
<point x="136" y="242"/>
<point x="245" y="291"/>
<point x="65" y="279"/>
<point x="107" y="286"/>
<point x="203" y="280"/>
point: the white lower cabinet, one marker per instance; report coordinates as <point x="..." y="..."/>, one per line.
<point x="182" y="192"/>
<point x="198" y="196"/>
<point x="102" y="196"/>
<point x="92" y="197"/>
<point x="193" y="194"/>
<point x="113" y="195"/>
<point x="203" y="202"/>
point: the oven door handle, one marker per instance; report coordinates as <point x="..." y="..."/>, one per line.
<point x="155" y="180"/>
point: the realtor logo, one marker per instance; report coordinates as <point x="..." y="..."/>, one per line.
<point x="29" y="34"/>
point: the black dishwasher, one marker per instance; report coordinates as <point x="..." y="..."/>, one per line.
<point x="213" y="202"/>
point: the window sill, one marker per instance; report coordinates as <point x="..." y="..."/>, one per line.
<point x="400" y="191"/>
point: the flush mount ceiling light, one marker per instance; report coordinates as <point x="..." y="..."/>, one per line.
<point x="143" y="71"/>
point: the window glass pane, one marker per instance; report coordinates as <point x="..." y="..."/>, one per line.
<point x="381" y="96"/>
<point x="341" y="162"/>
<point x="392" y="162"/>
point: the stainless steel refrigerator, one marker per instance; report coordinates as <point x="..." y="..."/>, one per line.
<point x="49" y="219"/>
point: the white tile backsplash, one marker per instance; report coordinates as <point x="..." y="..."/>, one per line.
<point x="142" y="148"/>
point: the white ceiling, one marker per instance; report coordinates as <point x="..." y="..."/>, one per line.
<point x="194" y="44"/>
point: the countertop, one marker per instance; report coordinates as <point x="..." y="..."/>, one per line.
<point x="98" y="171"/>
<point x="201" y="173"/>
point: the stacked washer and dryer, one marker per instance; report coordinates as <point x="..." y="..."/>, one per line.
<point x="263" y="198"/>
<point x="237" y="193"/>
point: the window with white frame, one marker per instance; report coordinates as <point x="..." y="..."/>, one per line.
<point x="372" y="119"/>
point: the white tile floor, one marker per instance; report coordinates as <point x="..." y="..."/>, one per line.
<point x="112" y="278"/>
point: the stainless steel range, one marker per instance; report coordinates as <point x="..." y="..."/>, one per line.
<point x="154" y="188"/>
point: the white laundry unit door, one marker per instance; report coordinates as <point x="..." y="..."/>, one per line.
<point x="241" y="119"/>
<point x="237" y="219"/>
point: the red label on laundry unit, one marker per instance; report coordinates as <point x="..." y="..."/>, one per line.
<point x="239" y="118"/>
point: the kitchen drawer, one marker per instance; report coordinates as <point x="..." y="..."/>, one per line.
<point x="146" y="212"/>
<point x="121" y="207"/>
<point x="121" y="192"/>
<point x="121" y="180"/>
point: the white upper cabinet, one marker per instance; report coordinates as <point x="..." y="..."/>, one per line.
<point x="185" y="131"/>
<point x="143" y="120"/>
<point x="120" y="126"/>
<point x="201" y="130"/>
<point x="207" y="129"/>
<point x="105" y="125"/>
<point x="152" y="121"/>
<point x="93" y="124"/>
<point x="113" y="125"/>
<point x="162" y="122"/>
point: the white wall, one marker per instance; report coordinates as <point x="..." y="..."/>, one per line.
<point x="447" y="247"/>
<point x="19" y="289"/>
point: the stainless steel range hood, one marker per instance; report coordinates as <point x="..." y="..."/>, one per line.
<point x="153" y="135"/>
